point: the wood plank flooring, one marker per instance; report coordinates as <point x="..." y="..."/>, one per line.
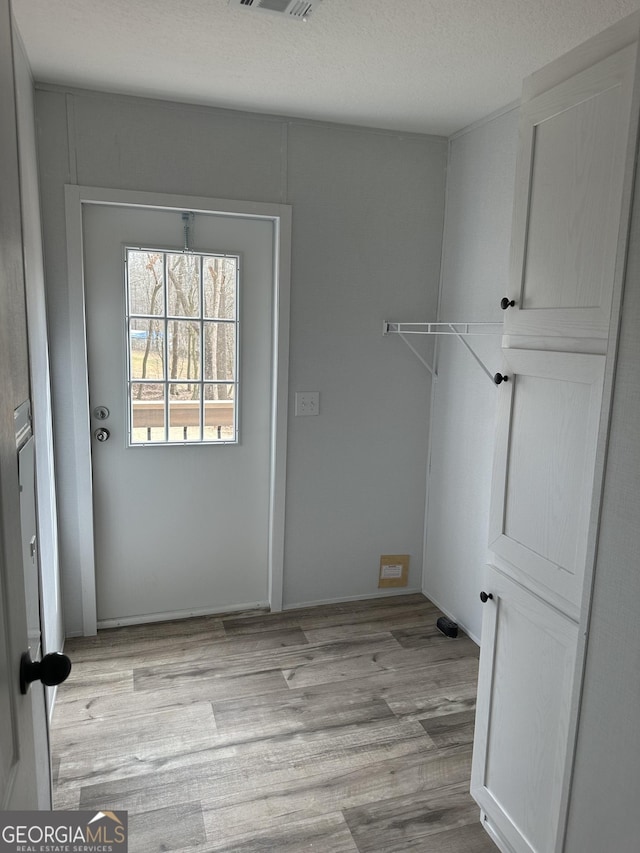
<point x="339" y="729"/>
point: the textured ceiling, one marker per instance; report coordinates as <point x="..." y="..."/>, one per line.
<point x="431" y="66"/>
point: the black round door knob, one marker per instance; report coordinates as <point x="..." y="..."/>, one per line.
<point x="499" y="378"/>
<point x="485" y="596"/>
<point x="54" y="668"/>
<point x="507" y="303"/>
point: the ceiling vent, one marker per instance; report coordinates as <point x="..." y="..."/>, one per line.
<point x="300" y="9"/>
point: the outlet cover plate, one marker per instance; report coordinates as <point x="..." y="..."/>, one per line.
<point x="307" y="403"/>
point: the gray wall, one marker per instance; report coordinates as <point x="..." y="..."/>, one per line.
<point x="480" y="183"/>
<point x="603" y="811"/>
<point x="367" y="226"/>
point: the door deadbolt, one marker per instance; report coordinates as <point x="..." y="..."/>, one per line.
<point x="102" y="434"/>
<point x="101" y="413"/>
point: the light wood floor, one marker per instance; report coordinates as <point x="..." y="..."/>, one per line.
<point x="340" y="729"/>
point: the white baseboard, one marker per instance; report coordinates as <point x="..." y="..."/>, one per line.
<point x="180" y="614"/>
<point x="383" y="593"/>
<point x="237" y="608"/>
<point x="475" y="639"/>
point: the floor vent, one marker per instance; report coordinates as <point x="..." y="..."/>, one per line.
<point x="299" y="9"/>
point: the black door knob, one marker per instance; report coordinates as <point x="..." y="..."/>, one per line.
<point x="507" y="303"/>
<point x="54" y="668"/>
<point x="485" y="596"/>
<point x="499" y="378"/>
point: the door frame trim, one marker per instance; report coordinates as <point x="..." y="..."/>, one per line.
<point x="280" y="214"/>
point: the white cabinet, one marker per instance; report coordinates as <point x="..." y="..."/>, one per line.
<point x="526" y="671"/>
<point x="547" y="431"/>
<point x="578" y="134"/>
<point x="569" y="188"/>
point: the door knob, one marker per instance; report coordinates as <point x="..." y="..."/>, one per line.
<point x="102" y="434"/>
<point x="507" y="303"/>
<point x="498" y="379"/>
<point x="53" y="669"/>
<point x="485" y="596"/>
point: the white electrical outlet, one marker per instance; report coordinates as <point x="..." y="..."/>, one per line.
<point x="307" y="403"/>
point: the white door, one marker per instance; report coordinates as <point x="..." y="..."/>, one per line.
<point x="30" y="564"/>
<point x="18" y="767"/>
<point x="25" y="779"/>
<point x="548" y="418"/>
<point x="525" y="682"/>
<point x="179" y="354"/>
<point x="547" y="431"/>
<point x="569" y="189"/>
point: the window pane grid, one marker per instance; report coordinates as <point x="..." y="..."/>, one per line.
<point x="182" y="361"/>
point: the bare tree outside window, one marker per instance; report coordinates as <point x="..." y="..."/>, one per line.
<point x="182" y="329"/>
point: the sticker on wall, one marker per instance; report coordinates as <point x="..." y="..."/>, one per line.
<point x="394" y="570"/>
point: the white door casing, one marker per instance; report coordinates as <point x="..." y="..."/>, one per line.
<point x="179" y="529"/>
<point x="279" y="216"/>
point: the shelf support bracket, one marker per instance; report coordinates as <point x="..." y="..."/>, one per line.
<point x="422" y="360"/>
<point x="476" y="356"/>
<point x="458" y="330"/>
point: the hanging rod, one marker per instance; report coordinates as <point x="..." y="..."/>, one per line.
<point x="458" y="330"/>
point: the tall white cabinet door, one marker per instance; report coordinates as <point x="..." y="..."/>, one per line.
<point x="527" y="662"/>
<point x="547" y="431"/>
<point x="567" y="209"/>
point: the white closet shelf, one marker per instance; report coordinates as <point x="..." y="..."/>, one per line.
<point x="393" y="328"/>
<point x="458" y="330"/>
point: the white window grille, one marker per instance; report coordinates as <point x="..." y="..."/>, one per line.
<point x="182" y="347"/>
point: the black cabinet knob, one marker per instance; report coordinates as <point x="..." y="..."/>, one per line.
<point x="499" y="378"/>
<point x="507" y="303"/>
<point x="485" y="596"/>
<point x="54" y="668"/>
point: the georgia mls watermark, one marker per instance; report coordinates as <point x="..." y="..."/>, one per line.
<point x="63" y="832"/>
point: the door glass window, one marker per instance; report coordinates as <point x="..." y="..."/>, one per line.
<point x="182" y="347"/>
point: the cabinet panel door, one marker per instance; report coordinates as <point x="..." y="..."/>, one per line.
<point x="567" y="212"/>
<point x="526" y="675"/>
<point x="547" y="429"/>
